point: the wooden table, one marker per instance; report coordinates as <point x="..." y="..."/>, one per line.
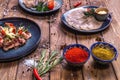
<point x="54" y="37"/>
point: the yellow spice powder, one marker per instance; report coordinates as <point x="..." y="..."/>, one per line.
<point x="103" y="53"/>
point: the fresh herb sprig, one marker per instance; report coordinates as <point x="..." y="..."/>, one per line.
<point x="44" y="66"/>
<point x="89" y="12"/>
<point x="42" y="6"/>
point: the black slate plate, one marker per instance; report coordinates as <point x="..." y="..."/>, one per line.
<point x="105" y="24"/>
<point x="57" y="7"/>
<point x="30" y="45"/>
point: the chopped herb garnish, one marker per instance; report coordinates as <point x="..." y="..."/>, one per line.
<point x="42" y="6"/>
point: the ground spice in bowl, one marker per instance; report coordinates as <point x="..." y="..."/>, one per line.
<point x="103" y="52"/>
<point x="76" y="54"/>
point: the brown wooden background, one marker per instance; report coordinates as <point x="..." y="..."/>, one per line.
<point x="54" y="37"/>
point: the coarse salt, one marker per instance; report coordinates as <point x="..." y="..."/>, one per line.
<point x="30" y="63"/>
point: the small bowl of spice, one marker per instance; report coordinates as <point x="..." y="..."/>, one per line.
<point x="103" y="52"/>
<point x="101" y="14"/>
<point x="76" y="54"/>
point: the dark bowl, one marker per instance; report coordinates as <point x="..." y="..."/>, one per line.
<point x="106" y="45"/>
<point x="101" y="17"/>
<point x="76" y="64"/>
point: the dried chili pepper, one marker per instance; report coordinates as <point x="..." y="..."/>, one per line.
<point x="77" y="4"/>
<point x="35" y="72"/>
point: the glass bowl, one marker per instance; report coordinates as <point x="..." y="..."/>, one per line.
<point x="108" y="57"/>
<point x="73" y="56"/>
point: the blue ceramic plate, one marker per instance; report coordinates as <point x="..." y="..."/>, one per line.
<point x="57" y="7"/>
<point x="105" y="24"/>
<point x="30" y="45"/>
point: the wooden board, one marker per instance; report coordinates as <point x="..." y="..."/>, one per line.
<point x="112" y="36"/>
<point x="54" y="37"/>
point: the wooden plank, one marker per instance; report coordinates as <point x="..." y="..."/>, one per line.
<point x="112" y="36"/>
<point x="59" y="38"/>
<point x="8" y="71"/>
<point x="92" y="71"/>
<point x="113" y="7"/>
<point x="3" y="6"/>
<point x="44" y="44"/>
<point x="77" y="74"/>
<point x="7" y="68"/>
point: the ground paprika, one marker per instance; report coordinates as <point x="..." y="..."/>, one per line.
<point x="76" y="55"/>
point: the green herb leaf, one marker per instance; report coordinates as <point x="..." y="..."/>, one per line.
<point x="45" y="66"/>
<point x="42" y="6"/>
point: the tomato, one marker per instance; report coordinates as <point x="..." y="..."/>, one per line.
<point x="14" y="31"/>
<point x="3" y="32"/>
<point x="20" y="31"/>
<point x="50" y="4"/>
<point x="1" y="39"/>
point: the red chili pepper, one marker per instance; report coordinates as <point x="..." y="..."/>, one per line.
<point x="77" y="4"/>
<point x="51" y="4"/>
<point x="35" y="72"/>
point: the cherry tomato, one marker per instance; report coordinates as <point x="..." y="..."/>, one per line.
<point x="14" y="31"/>
<point x="3" y="32"/>
<point x="51" y="4"/>
<point x="20" y="31"/>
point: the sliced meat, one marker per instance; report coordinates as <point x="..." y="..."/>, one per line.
<point x="12" y="37"/>
<point x="7" y="47"/>
<point x="16" y="42"/>
<point x="0" y="28"/>
<point x="8" y="44"/>
<point x="21" y="41"/>
<point x="26" y="35"/>
<point x="1" y="42"/>
<point x="78" y="20"/>
<point x="30" y="3"/>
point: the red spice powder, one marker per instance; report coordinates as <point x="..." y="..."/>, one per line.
<point x="76" y="55"/>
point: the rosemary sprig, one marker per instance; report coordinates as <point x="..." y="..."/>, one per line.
<point x="89" y="12"/>
<point x="44" y="66"/>
<point x="43" y="54"/>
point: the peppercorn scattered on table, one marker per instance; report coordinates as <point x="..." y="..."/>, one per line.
<point x="55" y="37"/>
